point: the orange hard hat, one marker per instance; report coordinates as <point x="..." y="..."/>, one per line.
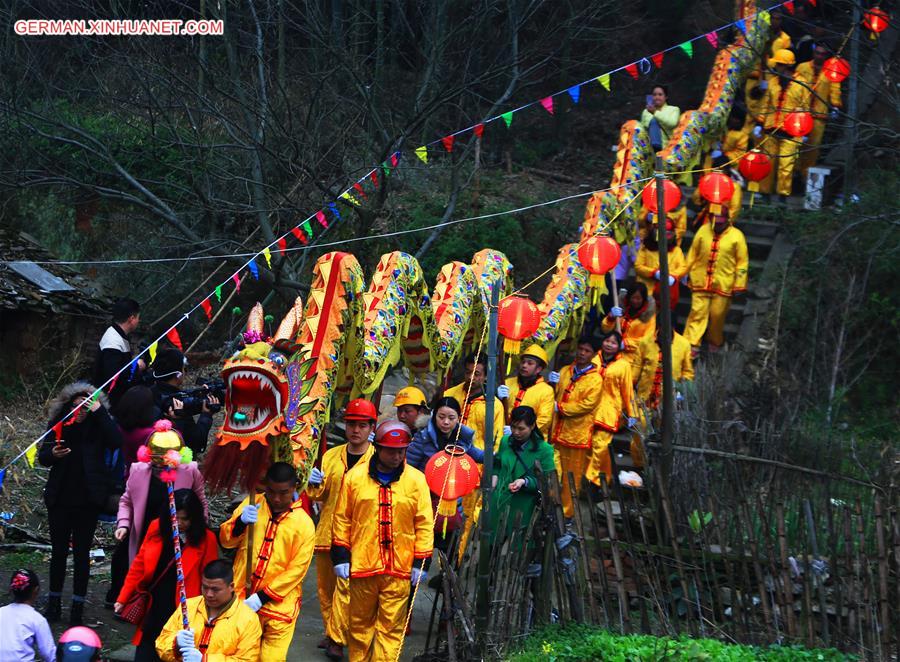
<point x="360" y="410"/>
<point x="393" y="434"/>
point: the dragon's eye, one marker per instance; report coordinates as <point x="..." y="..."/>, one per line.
<point x="276" y="358"/>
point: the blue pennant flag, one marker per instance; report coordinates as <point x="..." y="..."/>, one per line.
<point x="575" y="93"/>
<point x="334" y="210"/>
<point x="741" y="25"/>
<point x="253" y="269"/>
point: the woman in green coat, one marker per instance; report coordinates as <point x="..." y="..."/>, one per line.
<point x="515" y="482"/>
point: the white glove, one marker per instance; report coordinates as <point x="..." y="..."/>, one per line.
<point x="631" y="422"/>
<point x="615" y="311"/>
<point x="342" y="570"/>
<point x="250" y="514"/>
<point x="678" y="396"/>
<point x="656" y="274"/>
<point x="184" y="638"/>
<point x="507" y="430"/>
<point x="764" y="85"/>
<point x="716" y="153"/>
<point x="757" y="131"/>
<point x="671" y="281"/>
<point x="316" y="477"/>
<point x="416" y="575"/>
<point x="834" y="114"/>
<point x="253" y="602"/>
<point x="556" y="407"/>
<point x="650" y="217"/>
<point x="553" y="377"/>
<point x="191" y="655"/>
<point x="371" y="437"/>
<point x="804" y="139"/>
<point x="503" y="391"/>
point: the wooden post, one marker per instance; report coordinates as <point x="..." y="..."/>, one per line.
<point x="664" y="335"/>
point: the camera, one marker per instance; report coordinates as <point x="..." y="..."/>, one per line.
<point x="193" y="399"/>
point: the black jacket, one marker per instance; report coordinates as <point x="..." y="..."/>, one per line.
<point x="194" y="433"/>
<point x="109" y="361"/>
<point x="89" y="482"/>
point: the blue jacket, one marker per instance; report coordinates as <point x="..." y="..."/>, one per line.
<point x="425" y="444"/>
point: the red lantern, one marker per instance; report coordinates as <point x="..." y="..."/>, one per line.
<point x="798" y="123"/>
<point x="451" y="474"/>
<point x="671" y="195"/>
<point x="876" y="20"/>
<point x="598" y="255"/>
<point x="836" y="69"/>
<point x="717" y="188"/>
<point x="517" y="318"/>
<point x="754" y="166"/>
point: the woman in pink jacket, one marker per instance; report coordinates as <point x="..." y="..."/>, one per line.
<point x="145" y="493"/>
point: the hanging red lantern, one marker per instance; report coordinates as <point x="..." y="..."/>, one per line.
<point x="518" y="318"/>
<point x="798" y="123"/>
<point x="836" y="69"/>
<point x="876" y="20"/>
<point x="717" y="188"/>
<point x="451" y="474"/>
<point x="671" y="196"/>
<point x="598" y="255"/>
<point x="754" y="166"/>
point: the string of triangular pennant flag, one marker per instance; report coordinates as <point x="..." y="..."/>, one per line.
<point x="640" y="67"/>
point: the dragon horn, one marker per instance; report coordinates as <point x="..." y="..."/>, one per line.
<point x="291" y="321"/>
<point x="256" y="319"/>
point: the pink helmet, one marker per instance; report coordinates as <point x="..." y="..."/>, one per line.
<point x="78" y="644"/>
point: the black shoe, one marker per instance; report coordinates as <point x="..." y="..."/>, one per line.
<point x="76" y="616"/>
<point x="334" y="651"/>
<point x="53" y="610"/>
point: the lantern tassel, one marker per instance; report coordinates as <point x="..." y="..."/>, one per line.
<point x="511" y="346"/>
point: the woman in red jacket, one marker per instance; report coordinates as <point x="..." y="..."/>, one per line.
<point x="153" y="568"/>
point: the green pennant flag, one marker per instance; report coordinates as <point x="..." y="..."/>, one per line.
<point x="688" y="48"/>
<point x="219" y="293"/>
<point x="387" y="168"/>
<point x="507" y="117"/>
<point x="307" y="228"/>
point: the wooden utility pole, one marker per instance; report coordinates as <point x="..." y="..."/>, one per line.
<point x="852" y="105"/>
<point x="483" y="597"/>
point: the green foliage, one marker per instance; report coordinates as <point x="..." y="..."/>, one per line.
<point x="697" y="521"/>
<point x="578" y="643"/>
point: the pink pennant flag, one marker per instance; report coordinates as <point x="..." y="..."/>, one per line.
<point x="448" y="142"/>
<point x="547" y="103"/>
<point x="657" y="60"/>
<point x="478" y="130"/>
<point x="632" y="70"/>
<point x="359" y="189"/>
<point x="712" y="38"/>
<point x="174" y="338"/>
<point x="237" y="281"/>
<point x="207" y="308"/>
<point x="320" y="216"/>
<point x="789" y="7"/>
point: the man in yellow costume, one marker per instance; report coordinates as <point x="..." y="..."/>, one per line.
<point x="412" y="408"/>
<point x="382" y="535"/>
<point x="527" y="388"/>
<point x="222" y="628"/>
<point x="474" y="406"/>
<point x="282" y="550"/>
<point x="325" y="485"/>
<point x="646" y="369"/>
<point x="577" y="395"/>
<point x="825" y="101"/>
<point x="646" y="267"/>
<point x="787" y="92"/>
<point x="717" y="270"/>
<point x="636" y="319"/>
<point x="616" y="398"/>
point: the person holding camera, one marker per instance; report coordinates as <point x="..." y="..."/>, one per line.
<point x="167" y="372"/>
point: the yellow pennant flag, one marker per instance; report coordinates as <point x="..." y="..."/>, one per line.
<point x="422" y="153"/>
<point x="603" y="79"/>
<point x="152" y="351"/>
<point x="349" y="198"/>
<point x="268" y="255"/>
<point x="30" y="454"/>
<point x="765" y="16"/>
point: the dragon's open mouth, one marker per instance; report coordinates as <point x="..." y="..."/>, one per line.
<point x="253" y="399"/>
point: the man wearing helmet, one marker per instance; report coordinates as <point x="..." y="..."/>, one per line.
<point x="325" y="485"/>
<point x="787" y="92"/>
<point x="527" y="388"/>
<point x="411" y="404"/>
<point x="382" y="535"/>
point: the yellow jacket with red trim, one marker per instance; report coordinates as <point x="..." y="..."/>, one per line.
<point x="634" y="328"/>
<point x="282" y="550"/>
<point x="781" y="100"/>
<point x="383" y="528"/>
<point x="718" y="263"/>
<point x="539" y="396"/>
<point x="475" y="414"/>
<point x="334" y="466"/>
<point x="616" y="394"/>
<point x="234" y="635"/>
<point x="647" y="264"/>
<point x="646" y="367"/>
<point x="576" y="401"/>
<point x="824" y="94"/>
